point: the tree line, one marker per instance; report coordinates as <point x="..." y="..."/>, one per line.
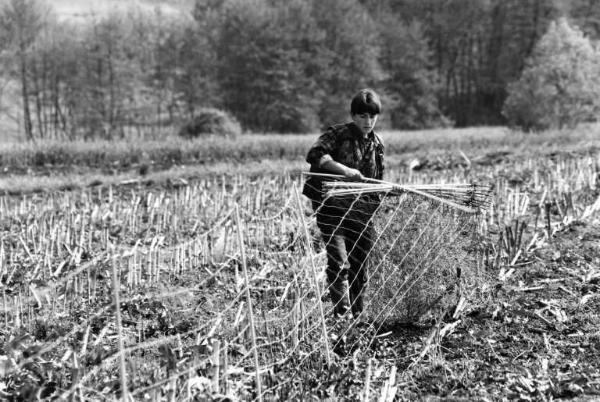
<point x="275" y="66"/>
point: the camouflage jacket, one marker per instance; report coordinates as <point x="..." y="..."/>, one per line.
<point x="344" y="143"/>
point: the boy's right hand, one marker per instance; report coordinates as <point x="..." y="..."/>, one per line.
<point x="354" y="174"/>
<point x="331" y="166"/>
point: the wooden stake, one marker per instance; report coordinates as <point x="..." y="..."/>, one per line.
<point x="115" y="283"/>
<point x="295" y="320"/>
<point x="216" y="357"/>
<point x="367" y="382"/>
<point x="547" y="206"/>
<point x="249" y="300"/>
<point x="5" y="309"/>
<point x="314" y="275"/>
<point x="225" y="368"/>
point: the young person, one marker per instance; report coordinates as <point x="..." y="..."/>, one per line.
<point x="356" y="152"/>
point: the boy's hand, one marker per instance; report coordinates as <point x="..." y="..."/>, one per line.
<point x="334" y="167"/>
<point x="354" y="174"/>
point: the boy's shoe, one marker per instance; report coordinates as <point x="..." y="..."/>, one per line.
<point x="339" y="297"/>
<point x="356" y="303"/>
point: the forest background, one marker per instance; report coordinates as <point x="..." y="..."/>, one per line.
<point x="276" y="67"/>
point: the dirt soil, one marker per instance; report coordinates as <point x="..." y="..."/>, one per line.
<point x="536" y="338"/>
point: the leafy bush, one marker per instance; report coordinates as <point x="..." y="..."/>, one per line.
<point x="211" y="121"/>
<point x="560" y="86"/>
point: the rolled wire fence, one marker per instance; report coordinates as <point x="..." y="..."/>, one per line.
<point x="252" y="286"/>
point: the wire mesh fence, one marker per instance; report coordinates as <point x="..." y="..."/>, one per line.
<point x="155" y="294"/>
<point x="217" y="303"/>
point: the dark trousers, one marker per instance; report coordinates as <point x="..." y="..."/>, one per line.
<point x="349" y="235"/>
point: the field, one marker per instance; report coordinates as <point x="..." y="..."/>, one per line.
<point x="193" y="271"/>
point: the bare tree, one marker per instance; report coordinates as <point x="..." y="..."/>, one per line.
<point x="20" y="23"/>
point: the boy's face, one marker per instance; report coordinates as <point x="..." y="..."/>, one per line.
<point x="365" y="122"/>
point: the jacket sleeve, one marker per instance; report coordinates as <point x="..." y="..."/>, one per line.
<point x="322" y="149"/>
<point x="379" y="152"/>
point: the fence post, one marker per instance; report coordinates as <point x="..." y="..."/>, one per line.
<point x="216" y="361"/>
<point x="115" y="283"/>
<point x="314" y="275"/>
<point x="248" y="299"/>
<point x="547" y="207"/>
<point x="367" y="382"/>
<point x="225" y="368"/>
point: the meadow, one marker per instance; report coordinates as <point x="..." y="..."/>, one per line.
<point x="173" y="270"/>
<point x="46" y="165"/>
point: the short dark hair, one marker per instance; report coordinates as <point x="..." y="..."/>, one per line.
<point x="365" y="101"/>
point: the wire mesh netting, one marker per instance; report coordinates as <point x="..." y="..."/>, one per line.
<point x="178" y="295"/>
<point x="424" y="258"/>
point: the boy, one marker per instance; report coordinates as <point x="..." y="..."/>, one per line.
<point x="356" y="152"/>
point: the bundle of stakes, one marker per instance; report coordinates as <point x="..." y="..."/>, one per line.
<point x="467" y="197"/>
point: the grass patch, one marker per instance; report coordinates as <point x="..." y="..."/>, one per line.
<point x="27" y="184"/>
<point x="169" y="151"/>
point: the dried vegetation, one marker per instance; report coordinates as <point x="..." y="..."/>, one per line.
<point x="182" y="292"/>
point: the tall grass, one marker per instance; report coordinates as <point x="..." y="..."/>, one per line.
<point x="168" y="151"/>
<point x="172" y="150"/>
